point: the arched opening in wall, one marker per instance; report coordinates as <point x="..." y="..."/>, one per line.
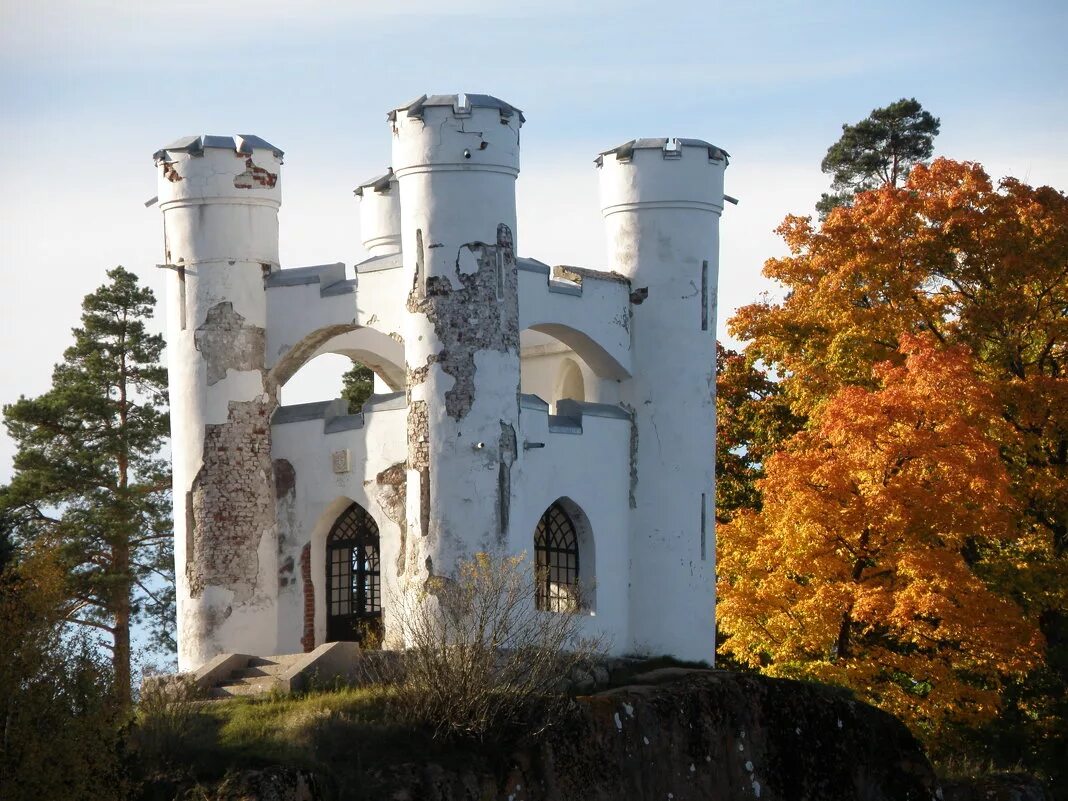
<point x="324" y="378"/>
<point x="569" y="382"/>
<point x="564" y="559"/>
<point x="552" y="370"/>
<point x="354" y="579"/>
<point x="332" y="363"/>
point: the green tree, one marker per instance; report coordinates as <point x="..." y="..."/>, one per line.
<point x="877" y="151"/>
<point x="60" y="728"/>
<point x="357" y="385"/>
<point x="753" y="420"/>
<point x="88" y="478"/>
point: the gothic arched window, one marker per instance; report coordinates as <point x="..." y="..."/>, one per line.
<point x="353" y="578"/>
<point x="556" y="555"/>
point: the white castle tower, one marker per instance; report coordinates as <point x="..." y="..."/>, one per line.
<point x="456" y="158"/>
<point x="661" y="200"/>
<point x="220" y="198"/>
<point x="565" y="413"/>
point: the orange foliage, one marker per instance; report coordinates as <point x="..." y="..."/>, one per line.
<point x="865" y="567"/>
<point x="970" y="263"/>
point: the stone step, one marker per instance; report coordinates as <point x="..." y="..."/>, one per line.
<point x="281" y="660"/>
<point x="232" y="691"/>
<point x="259" y="677"/>
<point x="245" y="686"/>
<point x="259" y="671"/>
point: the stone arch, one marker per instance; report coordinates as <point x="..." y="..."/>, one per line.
<point x="379" y="351"/>
<point x="603" y="363"/>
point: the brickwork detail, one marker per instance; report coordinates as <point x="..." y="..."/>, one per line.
<point x="233" y="501"/>
<point x="308" y="640"/>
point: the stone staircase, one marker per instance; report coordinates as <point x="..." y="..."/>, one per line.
<point x="260" y="676"/>
<point x="229" y="674"/>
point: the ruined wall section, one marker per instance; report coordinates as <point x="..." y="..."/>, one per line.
<point x="456" y="159"/>
<point x="220" y="199"/>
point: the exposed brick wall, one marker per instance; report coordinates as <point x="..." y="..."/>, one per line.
<point x="308" y="640"/>
<point x="233" y="502"/>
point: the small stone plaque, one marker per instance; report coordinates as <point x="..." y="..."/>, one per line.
<point x="341" y="461"/>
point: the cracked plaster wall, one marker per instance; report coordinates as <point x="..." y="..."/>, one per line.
<point x="375" y="480"/>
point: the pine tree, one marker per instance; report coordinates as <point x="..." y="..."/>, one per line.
<point x="357" y="385"/>
<point x="89" y="481"/>
<point x="878" y="151"/>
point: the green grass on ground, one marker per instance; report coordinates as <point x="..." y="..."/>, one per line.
<point x="342" y="735"/>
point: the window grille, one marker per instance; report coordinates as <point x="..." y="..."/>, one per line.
<point x="557" y="561"/>
<point x="354" y="602"/>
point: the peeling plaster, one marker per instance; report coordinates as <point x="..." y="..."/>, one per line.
<point x="633" y="456"/>
<point x="285" y="478"/>
<point x="577" y="274"/>
<point x="307" y="641"/>
<point x="391" y="491"/>
<point x="254" y="175"/>
<point x="468" y="316"/>
<point x="227" y="342"/>
<point x="170" y="172"/>
<point x="507" y="451"/>
<point x="285" y="572"/>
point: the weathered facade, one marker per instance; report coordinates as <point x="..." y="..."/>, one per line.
<point x="563" y="412"/>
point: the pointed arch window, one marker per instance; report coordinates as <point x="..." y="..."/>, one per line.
<point x="353" y="577"/>
<point x="556" y="555"/>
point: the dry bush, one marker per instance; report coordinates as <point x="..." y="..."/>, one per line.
<point x="167" y="718"/>
<point x="480" y="658"/>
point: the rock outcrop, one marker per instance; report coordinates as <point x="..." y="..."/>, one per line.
<point x="671" y="735"/>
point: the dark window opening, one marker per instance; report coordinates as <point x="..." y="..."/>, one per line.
<point x="353" y="579"/>
<point x="557" y="561"/>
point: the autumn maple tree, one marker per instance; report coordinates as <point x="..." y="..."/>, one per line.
<point x="864" y="566"/>
<point x="949" y="254"/>
<point x="963" y="262"/>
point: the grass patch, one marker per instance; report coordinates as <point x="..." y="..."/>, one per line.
<point x="342" y="735"/>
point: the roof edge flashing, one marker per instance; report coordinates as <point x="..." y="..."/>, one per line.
<point x="670" y="148"/>
<point x="462" y="105"/>
<point x="245" y="144"/>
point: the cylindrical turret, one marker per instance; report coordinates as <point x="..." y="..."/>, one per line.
<point x="380" y="215"/>
<point x="456" y="158"/>
<point x="661" y="200"/>
<point x="220" y="197"/>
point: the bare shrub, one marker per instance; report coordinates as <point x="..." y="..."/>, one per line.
<point x="480" y="658"/>
<point x="167" y="717"/>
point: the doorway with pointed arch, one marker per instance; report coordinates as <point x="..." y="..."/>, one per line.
<point x="354" y="579"/>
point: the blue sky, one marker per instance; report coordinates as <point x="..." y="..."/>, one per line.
<point x="88" y="90"/>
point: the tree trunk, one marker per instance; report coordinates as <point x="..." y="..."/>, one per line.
<point x="842" y="643"/>
<point x="121" y="654"/>
<point x="121" y="548"/>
